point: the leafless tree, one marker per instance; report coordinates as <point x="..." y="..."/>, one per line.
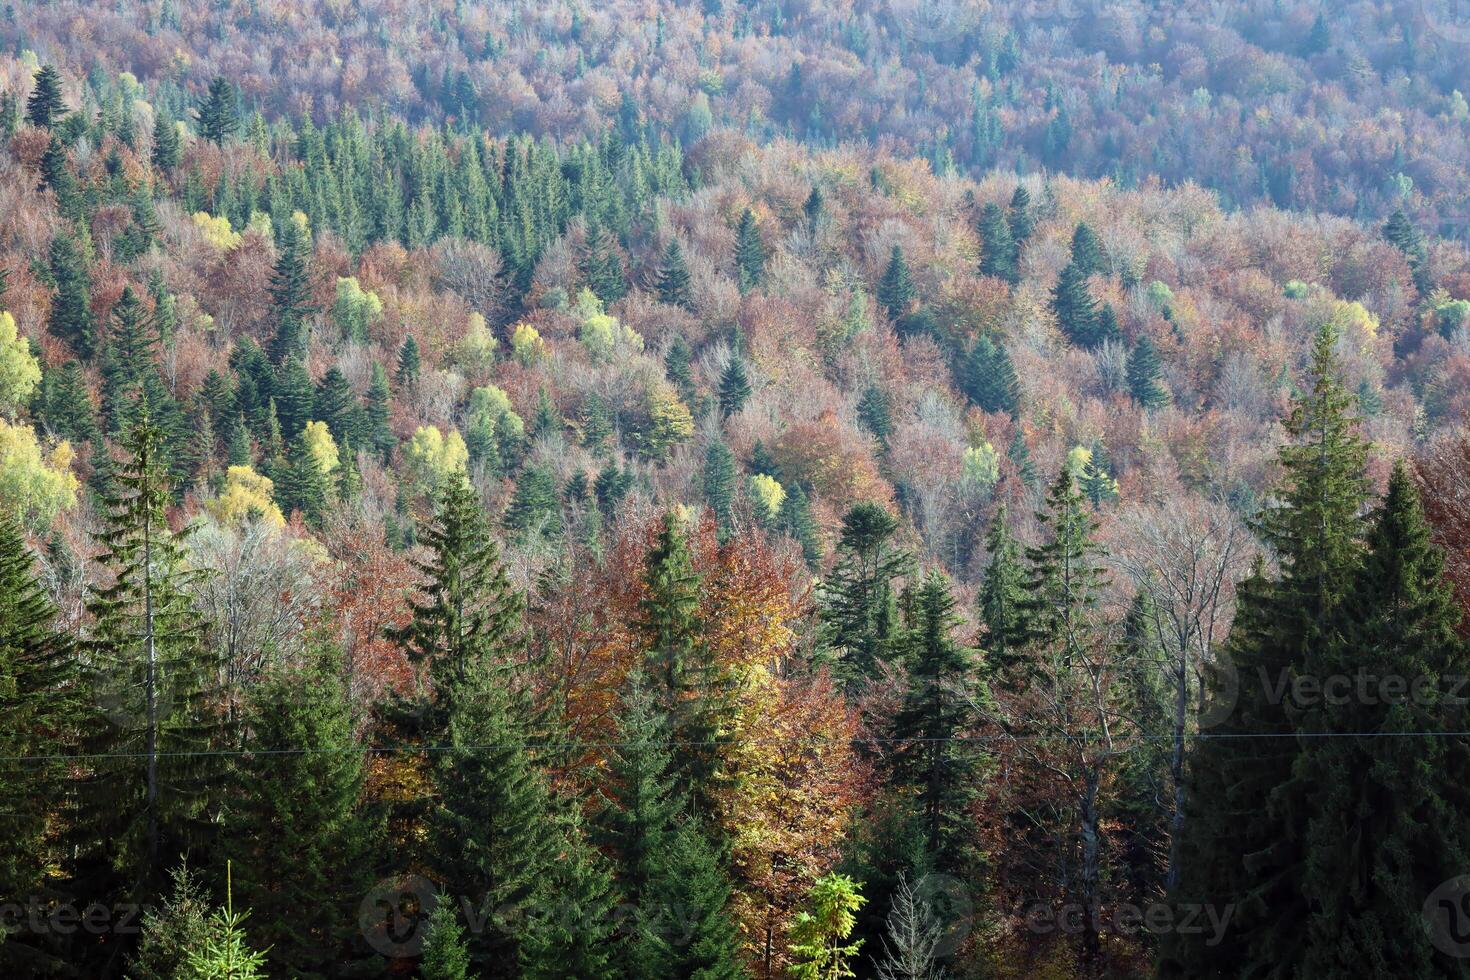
<point x="1185" y="555"/>
<point x="472" y="271"/>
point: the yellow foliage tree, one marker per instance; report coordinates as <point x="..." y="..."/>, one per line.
<point x="526" y="344"/>
<point x="216" y="231"/>
<point x="432" y="456"/>
<point x="34" y="486"/>
<point x="246" y="493"/>
<point x="321" y="446"/>
<point x="767" y="493"/>
<point x="19" y="371"/>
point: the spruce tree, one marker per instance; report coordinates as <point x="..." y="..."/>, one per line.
<point x="490" y="841"/>
<point x="1143" y="376"/>
<point x="1087" y="252"/>
<point x="1243" y="842"/>
<point x="300" y="485"/>
<point x="63" y="405"/>
<point x="795" y="520"/>
<point x="735" y="388"/>
<point x="165" y="155"/>
<point x="573" y="936"/>
<point x="1383" y="827"/>
<point x="144" y="795"/>
<point x="673" y="277"/>
<point x="469" y="615"/>
<point x="445" y="955"/>
<point x="896" y="292"/>
<point x="1076" y="311"/>
<point x="668" y="872"/>
<point x="677" y="366"/>
<point x="290" y="291"/>
<point x="219" y="113"/>
<point x="684" y="675"/>
<point x="408" y="361"/>
<point x="1020" y="455"/>
<point x="997" y="248"/>
<point x="297" y="793"/>
<point x="874" y="414"/>
<point x="750" y="254"/>
<point x="938" y="712"/>
<point x="717" y="482"/>
<point x="1002" y="596"/>
<point x="37" y="690"/>
<point x="377" y="412"/>
<point x="70" y="318"/>
<point x="335" y="404"/>
<point x="57" y="176"/>
<point x="45" y="105"/>
<point x="294" y="395"/>
<point x="535" y="508"/>
<point x="1022" y="222"/>
<point x="858" y="607"/>
<point x="127" y="359"/>
<point x="602" y="267"/>
<point x="988" y="377"/>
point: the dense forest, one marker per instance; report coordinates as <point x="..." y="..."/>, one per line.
<point x="742" y="491"/>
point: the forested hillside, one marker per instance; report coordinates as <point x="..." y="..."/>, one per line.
<point x="1350" y="108"/>
<point x="530" y="492"/>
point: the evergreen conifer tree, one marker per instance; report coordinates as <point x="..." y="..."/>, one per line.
<point x="165" y="155"/>
<point x="536" y="505"/>
<point x="896" y="291"/>
<point x="70" y="317"/>
<point x="717" y="481"/>
<point x="376" y="411"/>
<point x="998" y="248"/>
<point x="1076" y="311"/>
<point x="874" y="414"/>
<point x="219" y="113"/>
<point x="469" y="615"/>
<point x="1002" y="596"/>
<point x="445" y="955"/>
<point x="408" y="361"/>
<point x="735" y="388"/>
<point x="1380" y="833"/>
<point x="300" y="485"/>
<point x="857" y="601"/>
<point x="37" y="688"/>
<point x="298" y="795"/>
<point x="45" y="105"/>
<point x="1019" y="216"/>
<point x="144" y="796"/>
<point x="1143" y="376"/>
<point x="1242" y="844"/>
<point x="673" y="276"/>
<point x="291" y="291"/>
<point x="750" y="254"/>
<point x="988" y="377"/>
<point x="1087" y="252"/>
<point x="795" y="519"/>
<point x="931" y="725"/>
<point x="667" y="869"/>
